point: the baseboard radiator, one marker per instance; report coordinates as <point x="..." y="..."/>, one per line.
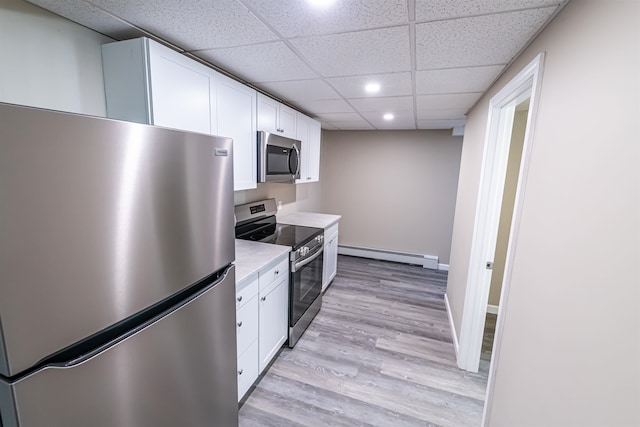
<point x="426" y="261"/>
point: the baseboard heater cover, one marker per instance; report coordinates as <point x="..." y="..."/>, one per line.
<point x="426" y="261"/>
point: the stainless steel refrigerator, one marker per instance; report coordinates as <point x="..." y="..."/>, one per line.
<point x="116" y="277"/>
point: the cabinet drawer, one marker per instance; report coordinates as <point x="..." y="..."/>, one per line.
<point x="247" y="324"/>
<point x="273" y="273"/>
<point x="246" y="290"/>
<point x="247" y="369"/>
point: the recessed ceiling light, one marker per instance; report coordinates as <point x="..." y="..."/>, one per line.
<point x="372" y="87"/>
<point x="321" y="3"/>
<point x="388" y="116"/>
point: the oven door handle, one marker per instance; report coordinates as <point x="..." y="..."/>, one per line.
<point x="302" y="263"/>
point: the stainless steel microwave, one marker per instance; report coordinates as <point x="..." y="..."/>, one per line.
<point x="278" y="158"/>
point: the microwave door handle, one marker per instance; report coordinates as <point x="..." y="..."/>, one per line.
<point x="294" y="173"/>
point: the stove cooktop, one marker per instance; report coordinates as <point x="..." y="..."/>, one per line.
<point x="268" y="231"/>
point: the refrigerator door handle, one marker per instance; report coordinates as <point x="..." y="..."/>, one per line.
<point x="102" y="341"/>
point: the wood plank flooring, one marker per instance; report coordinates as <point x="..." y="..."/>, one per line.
<point x="379" y="353"/>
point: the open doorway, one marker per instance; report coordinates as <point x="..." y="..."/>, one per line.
<point x="504" y="170"/>
<point x="504" y="229"/>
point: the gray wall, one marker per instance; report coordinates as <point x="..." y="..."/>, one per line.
<point x="294" y="198"/>
<point x="570" y="348"/>
<point x="49" y="62"/>
<point x="395" y="190"/>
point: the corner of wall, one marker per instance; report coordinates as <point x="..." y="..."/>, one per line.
<point x="454" y="335"/>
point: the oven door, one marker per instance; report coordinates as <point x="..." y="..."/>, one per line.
<point x="306" y="285"/>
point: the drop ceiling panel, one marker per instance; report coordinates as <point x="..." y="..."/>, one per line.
<point x="456" y="80"/>
<point x="336" y="117"/>
<point x="193" y="25"/>
<point x="321" y="106"/>
<point x="431" y="10"/>
<point x="441" y="113"/>
<point x="268" y="62"/>
<point x="440" y="124"/>
<point x="301" y="90"/>
<point x="401" y="120"/>
<point x="383" y="104"/>
<point x="299" y="18"/>
<point x="394" y="84"/>
<point x="446" y="102"/>
<point x="328" y="126"/>
<point x="364" y="52"/>
<point x="352" y="125"/>
<point x="319" y="60"/>
<point x="92" y="17"/>
<point x="481" y="40"/>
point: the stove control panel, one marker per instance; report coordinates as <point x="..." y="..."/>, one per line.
<point x="303" y="251"/>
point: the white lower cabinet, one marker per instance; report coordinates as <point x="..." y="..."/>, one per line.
<point x="247" y="324"/>
<point x="247" y="369"/>
<point x="262" y="312"/>
<point x="273" y="320"/>
<point x="330" y="260"/>
<point x="247" y="333"/>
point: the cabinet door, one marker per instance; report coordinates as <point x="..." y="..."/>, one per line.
<point x="247" y="369"/>
<point x="267" y="114"/>
<point x="302" y="133"/>
<point x="287" y="121"/>
<point x="247" y="324"/>
<point x="313" y="161"/>
<point x="330" y="260"/>
<point x="182" y="91"/>
<point x="236" y="108"/>
<point x="333" y="259"/>
<point x="273" y="321"/>
<point x="124" y="66"/>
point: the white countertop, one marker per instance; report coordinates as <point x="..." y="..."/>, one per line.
<point x="310" y="219"/>
<point x="251" y="257"/>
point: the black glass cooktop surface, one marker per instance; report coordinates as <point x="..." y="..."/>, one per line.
<point x="268" y="231"/>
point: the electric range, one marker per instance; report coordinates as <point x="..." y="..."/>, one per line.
<point x="257" y="222"/>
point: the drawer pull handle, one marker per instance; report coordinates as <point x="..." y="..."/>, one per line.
<point x="240" y="372"/>
<point x="239" y="323"/>
<point x="277" y="272"/>
<point x="263" y="298"/>
<point x="239" y="298"/>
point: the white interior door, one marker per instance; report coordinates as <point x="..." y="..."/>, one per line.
<point x="492" y="179"/>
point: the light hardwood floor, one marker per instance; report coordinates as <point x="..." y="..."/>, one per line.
<point x="379" y="353"/>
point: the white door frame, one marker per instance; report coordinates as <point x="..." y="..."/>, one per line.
<point x="492" y="176"/>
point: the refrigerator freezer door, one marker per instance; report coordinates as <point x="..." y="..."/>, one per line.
<point x="100" y="219"/>
<point x="178" y="371"/>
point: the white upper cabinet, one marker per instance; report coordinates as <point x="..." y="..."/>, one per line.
<point x="309" y="133"/>
<point x="146" y="82"/>
<point x="236" y="114"/>
<point x="274" y="117"/>
<point x="315" y="137"/>
<point x="287" y="121"/>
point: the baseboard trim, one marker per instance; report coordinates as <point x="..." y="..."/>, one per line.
<point x="426" y="261"/>
<point x="454" y="336"/>
<point x="443" y="267"/>
<point x="492" y="309"/>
